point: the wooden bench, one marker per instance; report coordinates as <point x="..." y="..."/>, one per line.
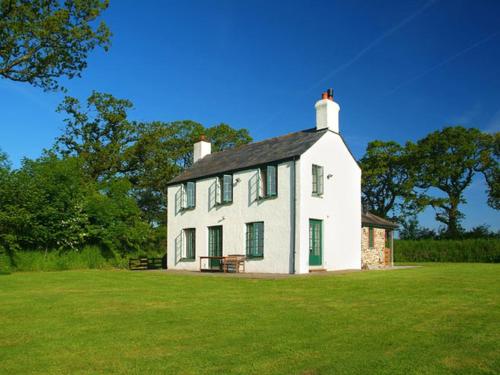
<point x="234" y="263"/>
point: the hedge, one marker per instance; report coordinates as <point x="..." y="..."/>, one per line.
<point x="471" y="250"/>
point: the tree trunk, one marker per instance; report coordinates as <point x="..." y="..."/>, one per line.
<point x="453" y="230"/>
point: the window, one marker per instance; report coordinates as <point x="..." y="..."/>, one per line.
<point x="268" y="181"/>
<point x="190" y="189"/>
<point x="190" y="249"/>
<point x="227" y="188"/>
<point x="388" y="238"/>
<point x="224" y="189"/>
<point x="255" y="240"/>
<point x="317" y="180"/>
<point x="371" y="239"/>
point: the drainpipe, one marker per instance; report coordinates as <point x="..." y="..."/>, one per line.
<point x="293" y="211"/>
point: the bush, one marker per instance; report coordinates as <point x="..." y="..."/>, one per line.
<point x="485" y="250"/>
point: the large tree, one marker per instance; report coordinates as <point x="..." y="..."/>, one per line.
<point x="386" y="182"/>
<point x="41" y="40"/>
<point x="163" y="150"/>
<point x="448" y="160"/>
<point x="99" y="133"/>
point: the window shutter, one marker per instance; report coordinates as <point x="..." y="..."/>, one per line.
<point x="218" y="191"/>
<point x="227" y="188"/>
<point x="271" y="180"/>
<point x="263" y="182"/>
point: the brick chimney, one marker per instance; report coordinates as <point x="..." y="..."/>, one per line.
<point x="202" y="148"/>
<point x="327" y="112"/>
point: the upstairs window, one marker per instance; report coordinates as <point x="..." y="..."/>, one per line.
<point x="224" y="193"/>
<point x="227" y="188"/>
<point x="255" y="240"/>
<point x="317" y="180"/>
<point x="268" y="181"/>
<point x="190" y="191"/>
<point x="185" y="197"/>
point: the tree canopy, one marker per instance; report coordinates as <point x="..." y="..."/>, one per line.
<point x="43" y="40"/>
<point x="386" y="181"/>
<point x="447" y="160"/>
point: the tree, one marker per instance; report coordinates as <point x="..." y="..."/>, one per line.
<point x="42" y="205"/>
<point x="41" y="40"/>
<point x="163" y="150"/>
<point x="100" y="134"/>
<point x="448" y="160"/>
<point x="386" y="182"/>
<point x="491" y="171"/>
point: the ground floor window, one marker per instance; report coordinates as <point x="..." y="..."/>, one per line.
<point x="388" y="238"/>
<point x="190" y="249"/>
<point x="255" y="240"/>
<point x="371" y="237"/>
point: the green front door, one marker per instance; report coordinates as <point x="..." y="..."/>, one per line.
<point x="315" y="242"/>
<point x="215" y="245"/>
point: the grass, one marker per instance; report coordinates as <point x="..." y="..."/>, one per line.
<point x="438" y="319"/>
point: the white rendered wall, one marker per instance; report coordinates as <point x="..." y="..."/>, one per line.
<point x="339" y="208"/>
<point x="274" y="212"/>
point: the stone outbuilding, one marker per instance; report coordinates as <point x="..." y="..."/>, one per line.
<point x="377" y="242"/>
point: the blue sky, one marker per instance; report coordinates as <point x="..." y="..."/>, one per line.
<point x="399" y="70"/>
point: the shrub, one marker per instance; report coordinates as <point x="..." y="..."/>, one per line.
<point x="470" y="250"/>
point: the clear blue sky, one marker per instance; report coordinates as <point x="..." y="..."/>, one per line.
<point x="399" y="69"/>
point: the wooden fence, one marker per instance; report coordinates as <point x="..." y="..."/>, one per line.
<point x="142" y="264"/>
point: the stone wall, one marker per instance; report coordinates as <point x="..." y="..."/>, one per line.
<point x="372" y="257"/>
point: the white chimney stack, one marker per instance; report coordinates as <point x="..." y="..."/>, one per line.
<point x="327" y="112"/>
<point x="202" y="148"/>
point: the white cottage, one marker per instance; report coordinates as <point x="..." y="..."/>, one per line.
<point x="289" y="204"/>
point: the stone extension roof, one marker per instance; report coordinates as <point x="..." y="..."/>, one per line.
<point x="371" y="220"/>
<point x="250" y="155"/>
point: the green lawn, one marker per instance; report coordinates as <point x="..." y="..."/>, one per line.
<point x="430" y="320"/>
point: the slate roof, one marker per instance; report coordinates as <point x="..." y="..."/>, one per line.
<point x="369" y="219"/>
<point x="251" y="155"/>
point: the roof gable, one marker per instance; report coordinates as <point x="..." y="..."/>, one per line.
<point x="251" y="155"/>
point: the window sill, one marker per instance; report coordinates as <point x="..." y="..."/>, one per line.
<point x="187" y="209"/>
<point x="187" y="260"/>
<point x="267" y="197"/>
<point x="317" y="195"/>
<point x="255" y="257"/>
<point x="223" y="204"/>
